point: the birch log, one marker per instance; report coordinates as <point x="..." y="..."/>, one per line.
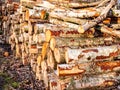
<point x="35" y="38"/>
<point x="39" y="60"/>
<point x="41" y="38"/>
<point x="87" y="68"/>
<point x="48" y="32"/>
<point x="17" y="51"/>
<point x="27" y="15"/>
<point x="44" y="50"/>
<point x="24" y="25"/>
<point x="115" y="26"/>
<point x="50" y="59"/>
<point x="60" y="49"/>
<point x="102" y="80"/>
<point x="80" y="5"/>
<point x="26" y="36"/>
<point x="68" y="19"/>
<point x="59" y="54"/>
<point x="82" y="21"/>
<point x="39" y="28"/>
<point x="100" y="18"/>
<point x="38" y="20"/>
<point x="81" y="13"/>
<point x="61" y="32"/>
<point x="47" y="36"/>
<point x="33" y="49"/>
<point x="20" y="38"/>
<point x="38" y="73"/>
<point x="45" y="4"/>
<point x="24" y="58"/>
<point x="92" y="54"/>
<point x="64" y="24"/>
<point x="25" y="48"/>
<point x="38" y="14"/>
<point x="44" y="72"/>
<point x="30" y="28"/>
<point x="102" y="3"/>
<point x="110" y="31"/>
<point x="81" y="42"/>
<point x="27" y="3"/>
<point x="33" y="64"/>
<point x="12" y="41"/>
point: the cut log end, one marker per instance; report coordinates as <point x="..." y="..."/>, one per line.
<point x="52" y="43"/>
<point x="44" y="50"/>
<point x="66" y="57"/>
<point x="48" y="35"/>
<point x="50" y="59"/>
<point x="39" y="60"/>
<point x="81" y="29"/>
<point x="57" y="55"/>
<point x="43" y="66"/>
<point x="43" y="12"/>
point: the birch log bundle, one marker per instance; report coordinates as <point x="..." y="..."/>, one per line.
<point x="100" y="18"/>
<point x="68" y="44"/>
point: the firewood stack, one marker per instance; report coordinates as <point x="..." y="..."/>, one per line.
<point x="69" y="45"/>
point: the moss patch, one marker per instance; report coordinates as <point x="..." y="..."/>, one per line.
<point x="7" y="82"/>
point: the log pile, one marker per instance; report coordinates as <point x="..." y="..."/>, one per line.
<point x="69" y="46"/>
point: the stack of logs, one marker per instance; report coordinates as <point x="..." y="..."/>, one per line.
<point x="69" y="45"/>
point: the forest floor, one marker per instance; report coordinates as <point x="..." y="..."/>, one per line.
<point x="14" y="75"/>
